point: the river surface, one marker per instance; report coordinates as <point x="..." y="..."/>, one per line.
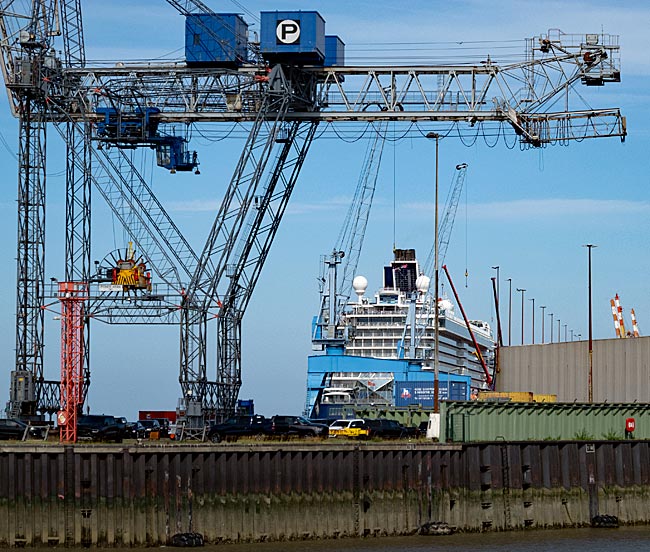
<point x="623" y="539"/>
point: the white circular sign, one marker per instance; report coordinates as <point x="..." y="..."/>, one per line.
<point x="288" y="31"/>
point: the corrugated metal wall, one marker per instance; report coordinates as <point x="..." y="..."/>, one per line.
<point x="621" y="370"/>
<point x="129" y="496"/>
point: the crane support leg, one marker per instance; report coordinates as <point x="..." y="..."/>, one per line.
<point x="77" y="228"/>
<point x="28" y="375"/>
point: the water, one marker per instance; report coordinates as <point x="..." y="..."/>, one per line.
<point x="624" y="539"/>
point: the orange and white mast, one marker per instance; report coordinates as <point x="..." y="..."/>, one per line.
<point x="619" y="310"/>
<point x="617" y="326"/>
<point x="635" y="327"/>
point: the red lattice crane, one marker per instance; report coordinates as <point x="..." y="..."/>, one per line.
<point x="72" y="296"/>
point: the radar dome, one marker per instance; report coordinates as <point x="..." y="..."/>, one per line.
<point x="422" y="283"/>
<point x="360" y="285"/>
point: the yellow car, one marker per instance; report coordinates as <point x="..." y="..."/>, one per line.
<point x="356" y="429"/>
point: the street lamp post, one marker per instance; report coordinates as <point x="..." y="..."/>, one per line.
<point x="558" y="331"/>
<point x="436" y="321"/>
<point x="550" y="328"/>
<point x="498" y="290"/>
<point x="590" y="384"/>
<point x="543" y="307"/>
<point x="510" y="314"/>
<point x="565" y="330"/>
<point x="523" y="291"/>
<point x="533" y="300"/>
<point x="572" y="335"/>
<point x="497" y="307"/>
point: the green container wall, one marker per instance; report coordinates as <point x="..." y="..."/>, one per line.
<point x="486" y="421"/>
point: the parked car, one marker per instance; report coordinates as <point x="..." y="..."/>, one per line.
<point x="143" y="429"/>
<point x="100" y="427"/>
<point x="239" y="426"/>
<point x="297" y="425"/>
<point x="391" y="429"/>
<point x="165" y="426"/>
<point x="17" y="429"/>
<point x="355" y="428"/>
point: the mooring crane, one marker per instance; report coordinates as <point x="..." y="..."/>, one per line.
<point x="282" y="102"/>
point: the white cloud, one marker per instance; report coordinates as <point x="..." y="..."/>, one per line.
<point x="294" y="208"/>
<point x="544" y="208"/>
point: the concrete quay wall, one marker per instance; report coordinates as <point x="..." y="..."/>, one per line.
<point x="142" y="495"/>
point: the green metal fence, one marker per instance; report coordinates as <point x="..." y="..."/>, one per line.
<point x="486" y="421"/>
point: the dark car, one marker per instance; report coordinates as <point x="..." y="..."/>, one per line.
<point x="16" y="429"/>
<point x="100" y="427"/>
<point x="239" y="426"/>
<point x="297" y="425"/>
<point x="165" y="426"/>
<point x="142" y="429"/>
<point x="390" y="429"/>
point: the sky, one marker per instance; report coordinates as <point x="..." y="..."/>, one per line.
<point x="529" y="212"/>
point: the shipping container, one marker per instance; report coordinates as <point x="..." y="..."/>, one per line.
<point x="157" y="414"/>
<point x="422" y="392"/>
<point x="519" y="421"/>
<point x="334" y="51"/>
<point x="296" y="37"/>
<point x="216" y="39"/>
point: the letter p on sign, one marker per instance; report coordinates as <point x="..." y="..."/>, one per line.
<point x="288" y="32"/>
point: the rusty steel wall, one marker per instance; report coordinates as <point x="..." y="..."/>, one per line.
<point x="621" y="370"/>
<point x="131" y="496"/>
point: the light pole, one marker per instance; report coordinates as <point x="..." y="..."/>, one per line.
<point x="543" y="307"/>
<point x="510" y="314"/>
<point x="558" y="331"/>
<point x="523" y="291"/>
<point x="572" y="335"/>
<point x="533" y="300"/>
<point x="565" y="334"/>
<point x="498" y="305"/>
<point x="498" y="292"/>
<point x="550" y="330"/>
<point x="589" y="247"/>
<point x="436" y="321"/>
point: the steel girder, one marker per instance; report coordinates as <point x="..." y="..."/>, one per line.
<point x="30" y="254"/>
<point x="77" y="229"/>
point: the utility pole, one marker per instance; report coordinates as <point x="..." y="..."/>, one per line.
<point x="533" y="334"/>
<point x="510" y="313"/>
<point x="498" y="291"/>
<point x="590" y="384"/>
<point x="523" y="291"/>
<point x="436" y="320"/>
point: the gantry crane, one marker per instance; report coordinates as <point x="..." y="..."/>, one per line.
<point x="133" y="105"/>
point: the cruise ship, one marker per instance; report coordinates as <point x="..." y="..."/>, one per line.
<point x="381" y="352"/>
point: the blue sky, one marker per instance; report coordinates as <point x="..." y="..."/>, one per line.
<point x="528" y="212"/>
